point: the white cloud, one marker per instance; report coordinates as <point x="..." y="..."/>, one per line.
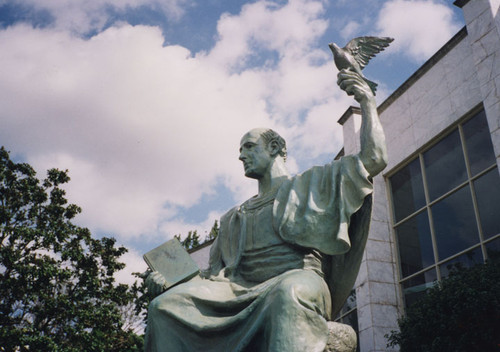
<point x="82" y="16"/>
<point x="139" y="124"/>
<point x="146" y="129"/>
<point x="134" y="264"/>
<point x="290" y="30"/>
<point x="350" y="30"/>
<point x="420" y="27"/>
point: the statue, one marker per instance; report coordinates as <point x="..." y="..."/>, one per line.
<point x="286" y="259"/>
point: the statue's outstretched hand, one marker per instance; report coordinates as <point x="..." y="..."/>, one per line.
<point x="155" y="282"/>
<point x="353" y="84"/>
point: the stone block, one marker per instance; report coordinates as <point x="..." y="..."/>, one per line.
<point x="362" y="274"/>
<point x="380" y="341"/>
<point x="384" y="316"/>
<point x="364" y="317"/>
<point x="465" y="97"/>
<point x="366" y="341"/>
<point x="459" y="65"/>
<point x="363" y="295"/>
<point x="395" y="119"/>
<point x="481" y="25"/>
<point x="495" y="139"/>
<point x="399" y="147"/>
<point x="484" y="70"/>
<point x="379" y="230"/>
<point x="383" y="293"/>
<point x="490" y="42"/>
<point x="380" y="272"/>
<point x="380" y="251"/>
<point x="434" y="122"/>
<point x="473" y="9"/>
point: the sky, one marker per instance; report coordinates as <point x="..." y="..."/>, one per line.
<point x="145" y="101"/>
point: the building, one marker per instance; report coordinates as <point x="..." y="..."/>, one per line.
<point x="436" y="203"/>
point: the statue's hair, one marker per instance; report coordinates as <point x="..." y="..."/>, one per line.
<point x="271" y="136"/>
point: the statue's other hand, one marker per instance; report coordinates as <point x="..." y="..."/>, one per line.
<point x="155" y="283"/>
<point x="353" y="84"/>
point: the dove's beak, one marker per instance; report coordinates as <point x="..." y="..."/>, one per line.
<point x="333" y="47"/>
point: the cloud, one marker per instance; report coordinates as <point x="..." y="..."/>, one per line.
<point x="420" y="27"/>
<point x="134" y="264"/>
<point x="147" y="129"/>
<point x="290" y="30"/>
<point x="139" y="124"/>
<point x="83" y="16"/>
<point x="350" y="30"/>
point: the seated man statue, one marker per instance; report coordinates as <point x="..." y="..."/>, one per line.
<point x="285" y="260"/>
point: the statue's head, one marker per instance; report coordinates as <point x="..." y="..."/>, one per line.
<point x="258" y="149"/>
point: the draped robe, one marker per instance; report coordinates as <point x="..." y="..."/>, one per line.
<point x="281" y="266"/>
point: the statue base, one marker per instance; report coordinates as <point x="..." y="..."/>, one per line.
<point x="341" y="338"/>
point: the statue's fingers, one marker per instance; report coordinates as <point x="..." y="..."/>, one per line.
<point x="347" y="83"/>
<point x="145" y="274"/>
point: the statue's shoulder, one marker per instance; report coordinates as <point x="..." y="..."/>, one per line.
<point x="227" y="215"/>
<point x="318" y="169"/>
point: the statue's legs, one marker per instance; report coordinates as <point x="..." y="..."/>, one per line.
<point x="285" y="313"/>
<point x="298" y="306"/>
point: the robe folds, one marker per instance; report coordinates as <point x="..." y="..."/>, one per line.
<point x="281" y="266"/>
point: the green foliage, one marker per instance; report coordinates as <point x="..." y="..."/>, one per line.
<point x="57" y="291"/>
<point x="192" y="240"/>
<point x="214" y="232"/>
<point x="460" y="314"/>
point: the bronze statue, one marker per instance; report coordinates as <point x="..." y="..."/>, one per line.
<point x="286" y="259"/>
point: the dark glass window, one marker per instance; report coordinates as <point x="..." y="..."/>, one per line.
<point x="447" y="212"/>
<point x="493" y="249"/>
<point x="415" y="244"/>
<point x="349" y="315"/>
<point x="478" y="141"/>
<point x="407" y="190"/>
<point x="445" y="166"/>
<point x="415" y="287"/>
<point x="487" y="189"/>
<point x="465" y="260"/>
<point x="455" y="223"/>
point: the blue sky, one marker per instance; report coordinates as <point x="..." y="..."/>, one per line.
<point x="144" y="101"/>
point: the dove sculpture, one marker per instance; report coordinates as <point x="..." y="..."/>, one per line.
<point x="357" y="53"/>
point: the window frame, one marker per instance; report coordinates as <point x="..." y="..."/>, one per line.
<point x="419" y="154"/>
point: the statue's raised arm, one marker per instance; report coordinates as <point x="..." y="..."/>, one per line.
<point x="350" y="60"/>
<point x="373" y="153"/>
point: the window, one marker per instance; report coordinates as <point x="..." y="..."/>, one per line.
<point x="446" y="207"/>
<point x="348" y="314"/>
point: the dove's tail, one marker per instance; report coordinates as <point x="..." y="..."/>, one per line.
<point x="372" y="85"/>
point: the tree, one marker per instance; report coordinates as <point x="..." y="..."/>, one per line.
<point x="57" y="291"/>
<point x="462" y="313"/>
<point x="214" y="232"/>
<point x="191" y="241"/>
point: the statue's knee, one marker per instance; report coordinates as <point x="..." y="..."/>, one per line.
<point x="158" y="303"/>
<point x="302" y="287"/>
<point x="154" y="306"/>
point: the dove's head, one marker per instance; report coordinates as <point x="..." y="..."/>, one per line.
<point x="334" y="48"/>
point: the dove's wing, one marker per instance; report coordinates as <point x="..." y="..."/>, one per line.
<point x="364" y="48"/>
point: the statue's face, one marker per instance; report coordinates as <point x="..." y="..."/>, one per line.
<point x="254" y="154"/>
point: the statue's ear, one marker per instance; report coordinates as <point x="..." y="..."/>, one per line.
<point x="274" y="148"/>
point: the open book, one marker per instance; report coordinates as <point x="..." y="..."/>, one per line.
<point x="172" y="261"/>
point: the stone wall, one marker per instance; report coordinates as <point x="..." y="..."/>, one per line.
<point x="464" y="74"/>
